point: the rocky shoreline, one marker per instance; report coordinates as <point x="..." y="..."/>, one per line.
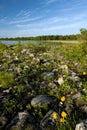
<point x="40" y="89"/>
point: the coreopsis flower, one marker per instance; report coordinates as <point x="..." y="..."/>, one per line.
<point x="63" y="98"/>
<point x="63" y="114"/>
<point x="84" y="73"/>
<point x="62" y="120"/>
<point x="60" y="80"/>
<point x="54" y="115"/>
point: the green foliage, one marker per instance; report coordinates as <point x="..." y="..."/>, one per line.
<point x="83" y="34"/>
<point x="3" y="47"/>
<point x="9" y="107"/>
<point x="6" y="79"/>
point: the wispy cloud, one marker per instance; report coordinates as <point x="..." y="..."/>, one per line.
<point x="24" y="13"/>
<point x="49" y="22"/>
<point x="50" y="1"/>
<point x="3" y="19"/>
<point x="23" y="20"/>
<point x="21" y="17"/>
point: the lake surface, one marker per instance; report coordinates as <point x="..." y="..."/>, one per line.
<point x="21" y="41"/>
<point x="35" y="42"/>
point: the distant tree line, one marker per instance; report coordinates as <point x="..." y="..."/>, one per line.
<point x="45" y="37"/>
<point x="81" y="36"/>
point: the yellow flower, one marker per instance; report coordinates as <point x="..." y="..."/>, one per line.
<point x="64" y="114"/>
<point x="62" y="120"/>
<point x="84" y="73"/>
<point x="63" y="98"/>
<point x="54" y="115"/>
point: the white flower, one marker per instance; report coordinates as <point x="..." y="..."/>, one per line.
<point x="60" y="80"/>
<point x="64" y="68"/>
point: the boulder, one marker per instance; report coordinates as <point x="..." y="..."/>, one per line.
<point x="41" y="100"/>
<point x="82" y="125"/>
<point x="21" y="121"/>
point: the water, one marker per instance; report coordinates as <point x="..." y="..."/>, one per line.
<point x="36" y="42"/>
<point x="21" y="41"/>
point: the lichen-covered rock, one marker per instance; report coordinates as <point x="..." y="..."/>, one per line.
<point x="20" y="121"/>
<point x="82" y="125"/>
<point x="41" y="100"/>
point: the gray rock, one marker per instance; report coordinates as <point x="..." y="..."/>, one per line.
<point x="80" y="102"/>
<point x="53" y="87"/>
<point x="46" y="75"/>
<point x="42" y="84"/>
<point x="69" y="108"/>
<point x="76" y="96"/>
<point x="48" y="121"/>
<point x="74" y="77"/>
<point x="21" y="121"/>
<point x="3" y="122"/>
<point x="84" y="108"/>
<point x="82" y="125"/>
<point x="41" y="100"/>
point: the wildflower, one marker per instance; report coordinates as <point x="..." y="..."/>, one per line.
<point x="64" y="68"/>
<point x="64" y="114"/>
<point x="63" y="98"/>
<point x="60" y="80"/>
<point x="84" y="73"/>
<point x="54" y="115"/>
<point x="62" y="120"/>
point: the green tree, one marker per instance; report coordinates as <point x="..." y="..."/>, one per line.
<point x="83" y="32"/>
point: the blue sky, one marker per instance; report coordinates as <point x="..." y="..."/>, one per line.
<point x="42" y="17"/>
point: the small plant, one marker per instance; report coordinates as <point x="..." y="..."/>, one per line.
<point x="6" y="79"/>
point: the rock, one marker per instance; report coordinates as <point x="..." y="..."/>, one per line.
<point x="24" y="50"/>
<point x="31" y="55"/>
<point x="76" y="96"/>
<point x="80" y="102"/>
<point x="41" y="100"/>
<point x="69" y="108"/>
<point x="42" y="84"/>
<point x="74" y="77"/>
<point x="79" y="84"/>
<point x="84" y="108"/>
<point x="35" y="60"/>
<point x="46" y="64"/>
<point x="82" y="125"/>
<point x="48" y="121"/>
<point x="21" y="121"/>
<point x="3" y="122"/>
<point x="46" y="75"/>
<point x="52" y="87"/>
